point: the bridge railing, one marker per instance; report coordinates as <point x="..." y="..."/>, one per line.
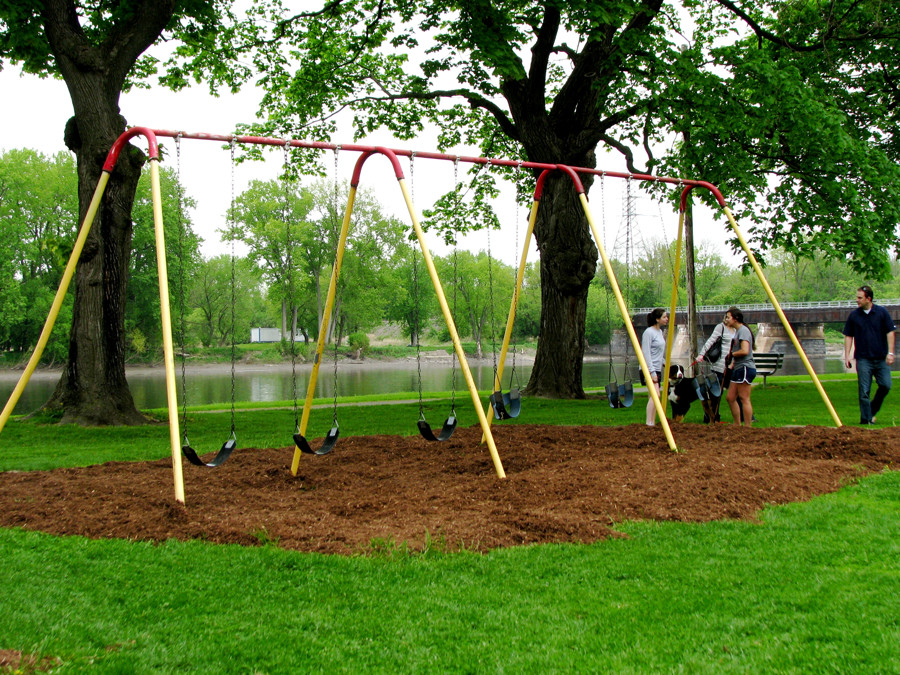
<point x="763" y="306"/>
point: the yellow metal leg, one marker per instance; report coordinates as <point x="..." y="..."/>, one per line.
<point x="784" y="321"/>
<point x="58" y="300"/>
<point x="510" y="321"/>
<point x="631" y="334"/>
<point x="451" y="326"/>
<point x="166" y="317"/>
<point x="672" y="305"/>
<point x="323" y="329"/>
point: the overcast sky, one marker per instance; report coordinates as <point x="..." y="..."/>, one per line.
<point x="35" y="112"/>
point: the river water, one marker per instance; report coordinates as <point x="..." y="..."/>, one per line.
<point x="276" y="382"/>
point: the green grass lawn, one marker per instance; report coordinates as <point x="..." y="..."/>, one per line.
<point x="809" y="588"/>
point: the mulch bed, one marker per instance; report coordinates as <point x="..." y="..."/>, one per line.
<point x="564" y="484"/>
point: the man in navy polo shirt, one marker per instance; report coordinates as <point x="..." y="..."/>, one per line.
<point x="872" y="329"/>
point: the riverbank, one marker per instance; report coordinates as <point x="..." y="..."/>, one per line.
<point x="199" y="365"/>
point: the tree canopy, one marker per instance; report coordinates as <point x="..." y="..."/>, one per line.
<point x="770" y="100"/>
<point x="789" y="106"/>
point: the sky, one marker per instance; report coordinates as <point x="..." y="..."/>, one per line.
<point x="36" y="110"/>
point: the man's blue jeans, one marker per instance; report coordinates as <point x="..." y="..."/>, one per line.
<point x="866" y="369"/>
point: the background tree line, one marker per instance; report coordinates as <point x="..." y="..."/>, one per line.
<point x="289" y="231"/>
<point x="790" y="106"/>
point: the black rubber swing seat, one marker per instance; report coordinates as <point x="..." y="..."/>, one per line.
<point x="620" y="395"/>
<point x="223" y="454"/>
<point x="714" y="386"/>
<point x="506" y="406"/>
<point x="446" y="431"/>
<point x="612" y="396"/>
<point x="326" y="447"/>
<point x="626" y="393"/>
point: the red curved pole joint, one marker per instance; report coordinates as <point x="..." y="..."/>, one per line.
<point x="392" y="156"/>
<point x="113" y="156"/>
<point x="576" y="179"/>
<point x="539" y="186"/>
<point x="700" y="183"/>
<point x="357" y="169"/>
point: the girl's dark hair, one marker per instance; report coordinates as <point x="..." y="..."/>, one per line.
<point x="654" y="316"/>
<point x="738" y="315"/>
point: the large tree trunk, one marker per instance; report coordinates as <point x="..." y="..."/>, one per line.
<point x="93" y="389"/>
<point x="568" y="263"/>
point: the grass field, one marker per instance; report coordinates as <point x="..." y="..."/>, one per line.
<point x="809" y="588"/>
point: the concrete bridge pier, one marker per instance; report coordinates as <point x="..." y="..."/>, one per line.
<point x="769" y="337"/>
<point x="772" y="337"/>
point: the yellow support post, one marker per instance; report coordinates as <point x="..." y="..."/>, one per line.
<point x="166" y="317"/>
<point x="323" y="328"/>
<point x="454" y="335"/>
<point x="57" y="300"/>
<point x="631" y="334"/>
<point x="672" y="305"/>
<point x="784" y="321"/>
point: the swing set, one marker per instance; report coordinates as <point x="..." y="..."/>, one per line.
<point x="509" y="401"/>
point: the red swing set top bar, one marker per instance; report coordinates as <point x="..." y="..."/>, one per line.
<point x="392" y="154"/>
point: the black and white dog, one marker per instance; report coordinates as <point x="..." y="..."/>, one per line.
<point x="682" y="392"/>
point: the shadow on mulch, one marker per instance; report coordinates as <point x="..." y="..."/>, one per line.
<point x="564" y="484"/>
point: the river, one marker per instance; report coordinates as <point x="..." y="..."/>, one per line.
<point x="275" y="382"/>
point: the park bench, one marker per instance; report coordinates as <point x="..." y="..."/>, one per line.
<point x="767" y="363"/>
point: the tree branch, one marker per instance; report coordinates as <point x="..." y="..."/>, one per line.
<point x="829" y="34"/>
<point x="623" y="149"/>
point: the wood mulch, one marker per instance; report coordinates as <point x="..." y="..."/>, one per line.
<point x="563" y="484"/>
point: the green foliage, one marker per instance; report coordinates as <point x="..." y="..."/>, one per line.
<point x="137" y="341"/>
<point x="142" y="312"/>
<point x="774" y="103"/>
<point x="225" y="300"/>
<point x="481" y="288"/>
<point x="358" y="341"/>
<point x="792" y="133"/>
<point x="38" y="221"/>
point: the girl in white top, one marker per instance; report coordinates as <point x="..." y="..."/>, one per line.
<point x="653" y="346"/>
<point x="726" y="334"/>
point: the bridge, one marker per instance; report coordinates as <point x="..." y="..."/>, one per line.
<point x="807" y="319"/>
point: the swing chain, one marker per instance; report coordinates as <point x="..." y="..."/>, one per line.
<point x="515" y="300"/>
<point x="181" y="293"/>
<point x="414" y="333"/>
<point x="289" y="264"/>
<point x="456" y="198"/>
<point x="339" y="222"/>
<point x="233" y="284"/>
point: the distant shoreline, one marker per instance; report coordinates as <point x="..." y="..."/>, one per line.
<point x="428" y="359"/>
